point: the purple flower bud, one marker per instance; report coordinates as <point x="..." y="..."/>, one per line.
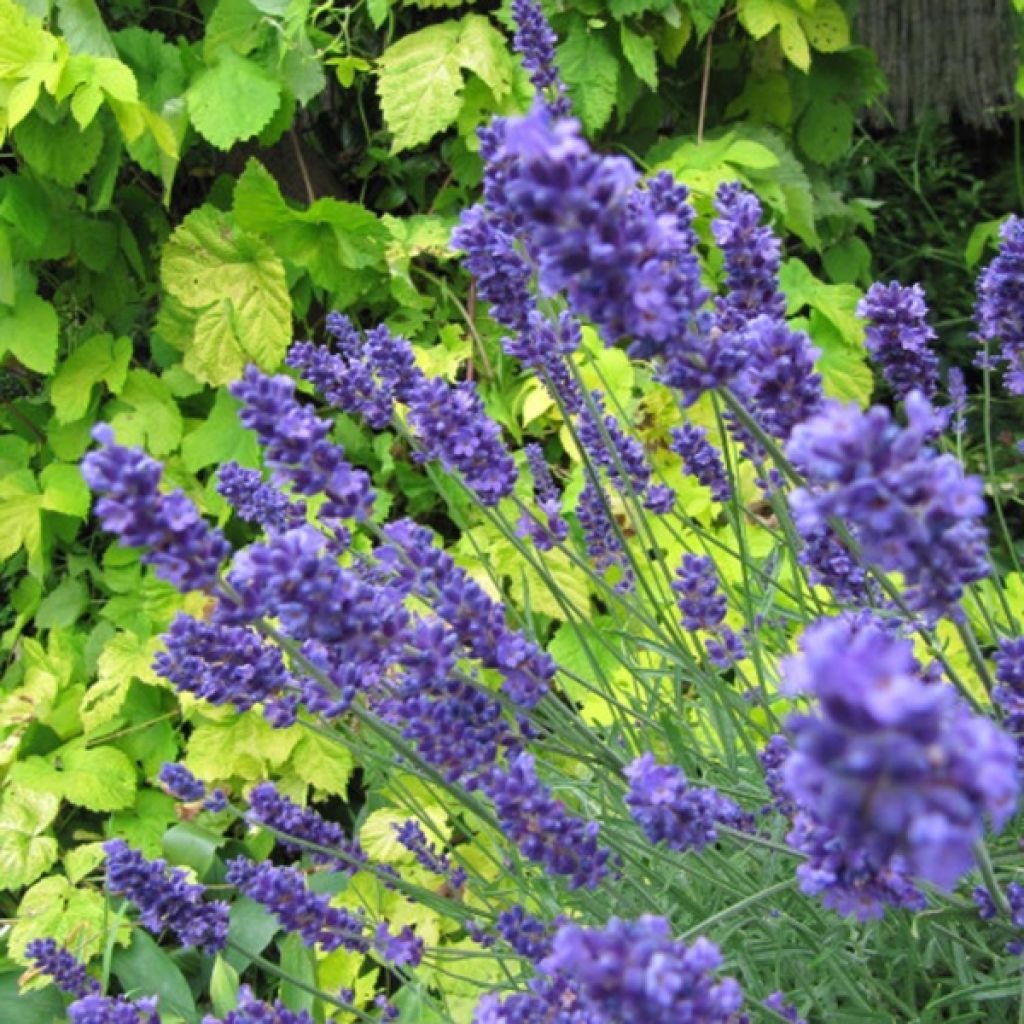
<point x="61" y="967"/>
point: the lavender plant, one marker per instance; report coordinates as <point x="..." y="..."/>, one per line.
<point x="776" y="761"/>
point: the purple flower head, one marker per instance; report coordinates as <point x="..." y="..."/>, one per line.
<point x="545" y="527"/>
<point x="895" y="766"/>
<point x="623" y="258"/>
<point x="1009" y="693"/>
<point x="697" y="595"/>
<point x="177" y="781"/>
<point x="956" y="387"/>
<point x="541" y="826"/>
<point x="257" y="501"/>
<point x="777" y="1002"/>
<point x="61" y="967"/>
<point x="284" y="893"/>
<point x="670" y="810"/>
<point x="476" y="620"/>
<point x="453" y="427"/>
<point x="999" y="311"/>
<point x="182" y="548"/>
<point x="296" y="448"/>
<point x="97" y="1009"/>
<point x="910" y="509"/>
<point x="549" y="1000"/>
<point x="403" y="948"/>
<point x="604" y="545"/>
<point x="701" y="459"/>
<point x="301" y="826"/>
<point x="636" y="971"/>
<point x="527" y="935"/>
<point x="752" y="255"/>
<point x="987" y="911"/>
<point x="166" y="900"/>
<point x="221" y="664"/>
<point x="535" y="42"/>
<point x="899" y="339"/>
<point x="411" y="835"/>
<point x="251" y="1010"/>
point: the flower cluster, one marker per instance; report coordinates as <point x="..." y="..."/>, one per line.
<point x="636" y="971"/>
<point x="910" y="509"/>
<point x="64" y="969"/>
<point x="891" y="764"/>
<point x="899" y="338"/>
<point x="703" y="607"/>
<point x="701" y="459"/>
<point x="256" y="501"/>
<point x="673" y="812"/>
<point x="549" y="528"/>
<point x="987" y="910"/>
<point x="177" y="781"/>
<point x="1000" y="307"/>
<point x="178" y="543"/>
<point x="165" y="898"/>
<point x="251" y="1010"/>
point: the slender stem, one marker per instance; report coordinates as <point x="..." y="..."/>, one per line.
<point x="988" y="875"/>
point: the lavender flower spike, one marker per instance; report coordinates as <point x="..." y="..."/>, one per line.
<point x="896" y="767"/>
<point x="899" y="338"/>
<point x="999" y="311"/>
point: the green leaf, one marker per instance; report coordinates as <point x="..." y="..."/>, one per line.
<point x="28" y="330"/>
<point x="252" y="928"/>
<point x="297" y="962"/>
<point x="98" y="779"/>
<point x="61" y="151"/>
<point x="826" y="26"/>
<point x="145" y="968"/>
<point x="836" y="302"/>
<point x="190" y="845"/>
<point x="220" y="438"/>
<point x="64" y="605"/>
<point x="81" y="861"/>
<point x="64" y="490"/>
<point x="844" y="370"/>
<point x="54" y="909"/>
<point x="100" y="358"/>
<point x="123" y="659"/>
<point x="419" y="84"/>
<point x="244" y="746"/>
<point x="640" y="52"/>
<point x="26" y="1007"/>
<point x="591" y="73"/>
<point x="214" y="104"/>
<point x="82" y="27"/>
<point x="421" y="76"/>
<point x="152" y="417"/>
<point x="143" y="825"/>
<point x="25" y="853"/>
<point x="20" y="522"/>
<point x="825" y="129"/>
<point x="759" y="17"/>
<point x="223" y="987"/>
<point x="320" y="763"/>
<point x="238" y="283"/>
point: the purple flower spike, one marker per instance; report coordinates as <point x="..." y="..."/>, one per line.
<point x="896" y="767"/>
<point x="179" y="544"/>
<point x="62" y="968"/>
<point x="899" y="338"/>
<point x="999" y="311"/>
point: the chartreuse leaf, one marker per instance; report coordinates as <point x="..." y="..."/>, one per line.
<point x="28" y="330"/>
<point x="378" y="838"/>
<point x="25" y="852"/>
<point x="639" y="50"/>
<point x="215" y="103"/>
<point x="20" y="522"/>
<point x="64" y="490"/>
<point x="322" y="764"/>
<point x="759" y="17"/>
<point x="98" y="778"/>
<point x="99" y="359"/>
<point x="421" y="76"/>
<point x="591" y="72"/>
<point x="844" y="369"/>
<point x="836" y="302"/>
<point x="147" y="414"/>
<point x="55" y="909"/>
<point x="124" y="659"/>
<point x="236" y="285"/>
<point x="220" y="438"/>
<point x="245" y="746"/>
<point x="30" y="58"/>
<point x="224" y="986"/>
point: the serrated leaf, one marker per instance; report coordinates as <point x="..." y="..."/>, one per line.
<point x="25" y="853"/>
<point x="100" y="358"/>
<point x="844" y="370"/>
<point x="54" y="909"/>
<point x="419" y="84"/>
<point x="322" y="764"/>
<point x="143" y="825"/>
<point x="759" y="17"/>
<point x="82" y="26"/>
<point x="591" y="73"/>
<point x="64" y="605"/>
<point x="82" y="860"/>
<point x="214" y="100"/>
<point x="482" y="50"/>
<point x="152" y="417"/>
<point x="20" y="523"/>
<point x="28" y="330"/>
<point x="123" y="659"/>
<point x="836" y="302"/>
<point x="62" y="151"/>
<point x="825" y="129"/>
<point x="640" y="52"/>
<point x="64" y="490"/>
<point x="826" y="26"/>
<point x="378" y="837"/>
<point x="220" y="438"/>
<point x="98" y="778"/>
<point x="209" y="264"/>
<point x="245" y="746"/>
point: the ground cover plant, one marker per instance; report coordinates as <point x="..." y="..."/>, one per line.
<point x="732" y="734"/>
